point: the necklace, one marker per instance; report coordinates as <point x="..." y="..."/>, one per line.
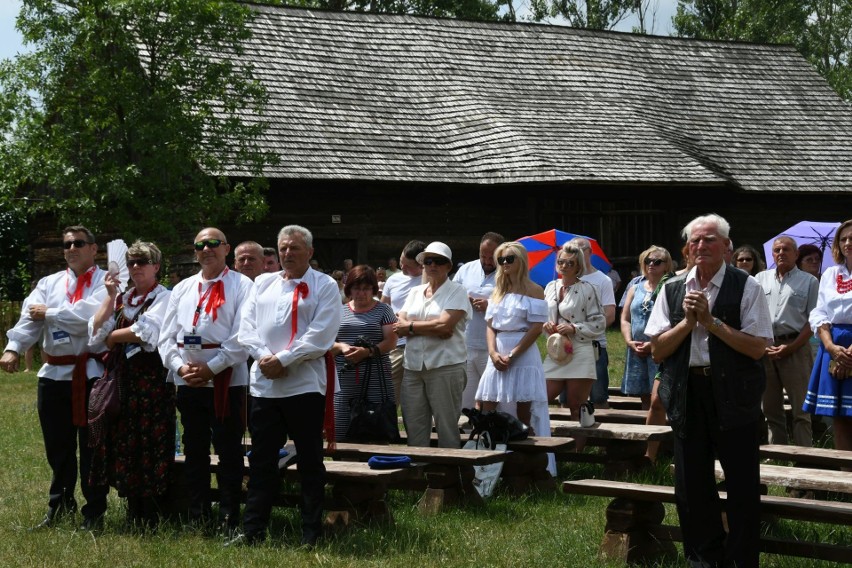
<point x="843" y="286"/>
<point x="141" y="299"/>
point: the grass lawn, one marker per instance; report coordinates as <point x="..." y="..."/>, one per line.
<point x="544" y="530"/>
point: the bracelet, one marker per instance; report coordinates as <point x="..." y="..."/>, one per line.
<point x="411" y="328"/>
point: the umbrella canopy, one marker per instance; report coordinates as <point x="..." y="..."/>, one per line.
<point x="542" y="249"/>
<point x="817" y="233"/>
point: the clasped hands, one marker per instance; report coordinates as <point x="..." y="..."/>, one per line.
<point x="196" y="374"/>
<point x="564" y="328"/>
<point x="841" y="362"/>
<point x="697" y="309"/>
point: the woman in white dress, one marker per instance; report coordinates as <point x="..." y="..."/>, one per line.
<point x="515" y="315"/>
<point x="575" y="312"/>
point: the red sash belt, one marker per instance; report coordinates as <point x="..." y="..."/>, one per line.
<point x="79" y="413"/>
<point x="221" y="384"/>
<point x="328" y="423"/>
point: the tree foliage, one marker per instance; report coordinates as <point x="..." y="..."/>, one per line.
<point x="483" y="10"/>
<point x="124" y="116"/>
<point x="820" y="29"/>
<point x="592" y="14"/>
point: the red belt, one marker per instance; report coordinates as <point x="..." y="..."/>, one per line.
<point x="78" y="382"/>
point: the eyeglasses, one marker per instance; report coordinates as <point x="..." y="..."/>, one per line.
<point x="569" y="263"/>
<point x="131" y="262"/>
<point x="653" y="261"/>
<point x="76" y="243"/>
<point x="745" y="259"/>
<point x="209" y="243"/>
<point x="439" y="260"/>
<point x="508" y="259"/>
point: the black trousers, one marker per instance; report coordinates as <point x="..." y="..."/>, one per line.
<point x="698" y="505"/>
<point x="61" y="441"/>
<point x="200" y="427"/>
<point x="272" y="420"/>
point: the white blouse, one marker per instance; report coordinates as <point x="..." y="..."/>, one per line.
<point x="515" y="312"/>
<point x="832" y="307"/>
<point x="428" y="351"/>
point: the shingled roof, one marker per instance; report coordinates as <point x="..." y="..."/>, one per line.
<point x="400" y="98"/>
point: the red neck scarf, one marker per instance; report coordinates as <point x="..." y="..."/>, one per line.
<point x="301" y="290"/>
<point x="215" y="296"/>
<point x="83" y="281"/>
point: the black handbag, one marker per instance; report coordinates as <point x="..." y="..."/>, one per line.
<point x="373" y="421"/>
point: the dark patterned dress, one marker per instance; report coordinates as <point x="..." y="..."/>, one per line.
<point x="138" y="447"/>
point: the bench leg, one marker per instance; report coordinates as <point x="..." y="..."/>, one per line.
<point x="630" y="532"/>
<point x="358" y="503"/>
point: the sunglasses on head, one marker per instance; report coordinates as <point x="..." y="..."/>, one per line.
<point x="209" y="243"/>
<point x="131" y="262"/>
<point x="566" y="263"/>
<point x="508" y="259"/>
<point x="76" y="243"/>
<point x="439" y="260"/>
<point x="653" y="261"/>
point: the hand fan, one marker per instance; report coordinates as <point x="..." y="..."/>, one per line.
<point x="117" y="261"/>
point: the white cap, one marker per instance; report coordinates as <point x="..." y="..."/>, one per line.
<point x="437" y="248"/>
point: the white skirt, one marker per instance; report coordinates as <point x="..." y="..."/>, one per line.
<point x="522" y="382"/>
<point x="581" y="366"/>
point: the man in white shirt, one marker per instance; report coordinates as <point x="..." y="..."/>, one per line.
<point x="289" y="324"/>
<point x="606" y="295"/>
<point x="248" y="259"/>
<point x="199" y="346"/>
<point x="477" y="276"/>
<point x="394" y="294"/>
<point x="57" y="311"/>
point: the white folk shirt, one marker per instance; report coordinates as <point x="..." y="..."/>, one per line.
<point x="754" y="314"/>
<point x="177" y="323"/>
<point x="606" y="294"/>
<point x="62" y="317"/>
<point x="267" y="326"/>
<point x="147" y="327"/>
<point x="832" y="307"/>
<point x="396" y="289"/>
<point x="479" y="286"/>
<point x="428" y="351"/>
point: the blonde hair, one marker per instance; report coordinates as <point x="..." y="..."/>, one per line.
<point x="667" y="259"/>
<point x="503" y="283"/>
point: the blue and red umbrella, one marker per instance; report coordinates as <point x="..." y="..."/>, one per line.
<point x="543" y="248"/>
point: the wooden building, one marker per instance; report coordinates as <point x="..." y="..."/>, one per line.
<point x="398" y="127"/>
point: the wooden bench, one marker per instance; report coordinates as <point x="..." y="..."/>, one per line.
<point x="635" y="531"/>
<point x="606" y="415"/>
<point x="808" y="479"/>
<point x="821" y="457"/>
<point x="623" y="445"/>
<point x="525" y="466"/>
<point x="358" y="491"/>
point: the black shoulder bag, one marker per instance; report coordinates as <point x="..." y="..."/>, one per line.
<point x="373" y="421"/>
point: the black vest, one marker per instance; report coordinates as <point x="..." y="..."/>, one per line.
<point x="738" y="380"/>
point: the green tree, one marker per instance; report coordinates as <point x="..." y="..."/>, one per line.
<point x="820" y="29"/>
<point x="483" y="10"/>
<point x="127" y="114"/>
<point x="592" y="14"/>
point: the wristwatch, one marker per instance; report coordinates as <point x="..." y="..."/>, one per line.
<point x="717" y="324"/>
<point x="511" y="354"/>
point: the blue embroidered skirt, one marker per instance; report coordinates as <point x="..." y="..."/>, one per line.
<point x="826" y="395"/>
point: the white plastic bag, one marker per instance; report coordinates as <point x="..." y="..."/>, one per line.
<point x="486" y="476"/>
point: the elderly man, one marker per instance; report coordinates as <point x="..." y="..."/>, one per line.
<point x="199" y="345"/>
<point x="477" y="276"/>
<point x="248" y="259"/>
<point x="289" y="325"/>
<point x="57" y="311"/>
<point x="711" y="328"/>
<point x="394" y="294"/>
<point x="270" y="260"/>
<point x="606" y="295"/>
<point x="792" y="294"/>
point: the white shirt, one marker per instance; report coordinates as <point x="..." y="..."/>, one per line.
<point x="178" y="322"/>
<point x="267" y="327"/>
<point x="606" y="294"/>
<point x="427" y="351"/>
<point x="479" y="286"/>
<point x="832" y="307"/>
<point x="65" y="328"/>
<point x="147" y="327"/>
<point x="754" y="314"/>
<point x="396" y="289"/>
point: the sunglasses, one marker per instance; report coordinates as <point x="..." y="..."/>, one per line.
<point x="439" y="260"/>
<point x="131" y="262"/>
<point x="209" y="243"/>
<point x="77" y="243"/>
<point x="745" y="259"/>
<point x="653" y="261"/>
<point x="570" y="263"/>
<point x="508" y="259"/>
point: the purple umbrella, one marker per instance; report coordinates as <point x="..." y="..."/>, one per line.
<point x="817" y="233"/>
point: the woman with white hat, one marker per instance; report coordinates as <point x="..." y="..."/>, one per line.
<point x="433" y="320"/>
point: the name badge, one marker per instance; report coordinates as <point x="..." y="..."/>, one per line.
<point x="61" y="337"/>
<point x="132" y="349"/>
<point x="192" y="342"/>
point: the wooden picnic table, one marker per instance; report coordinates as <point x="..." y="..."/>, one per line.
<point x="624" y="445"/>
